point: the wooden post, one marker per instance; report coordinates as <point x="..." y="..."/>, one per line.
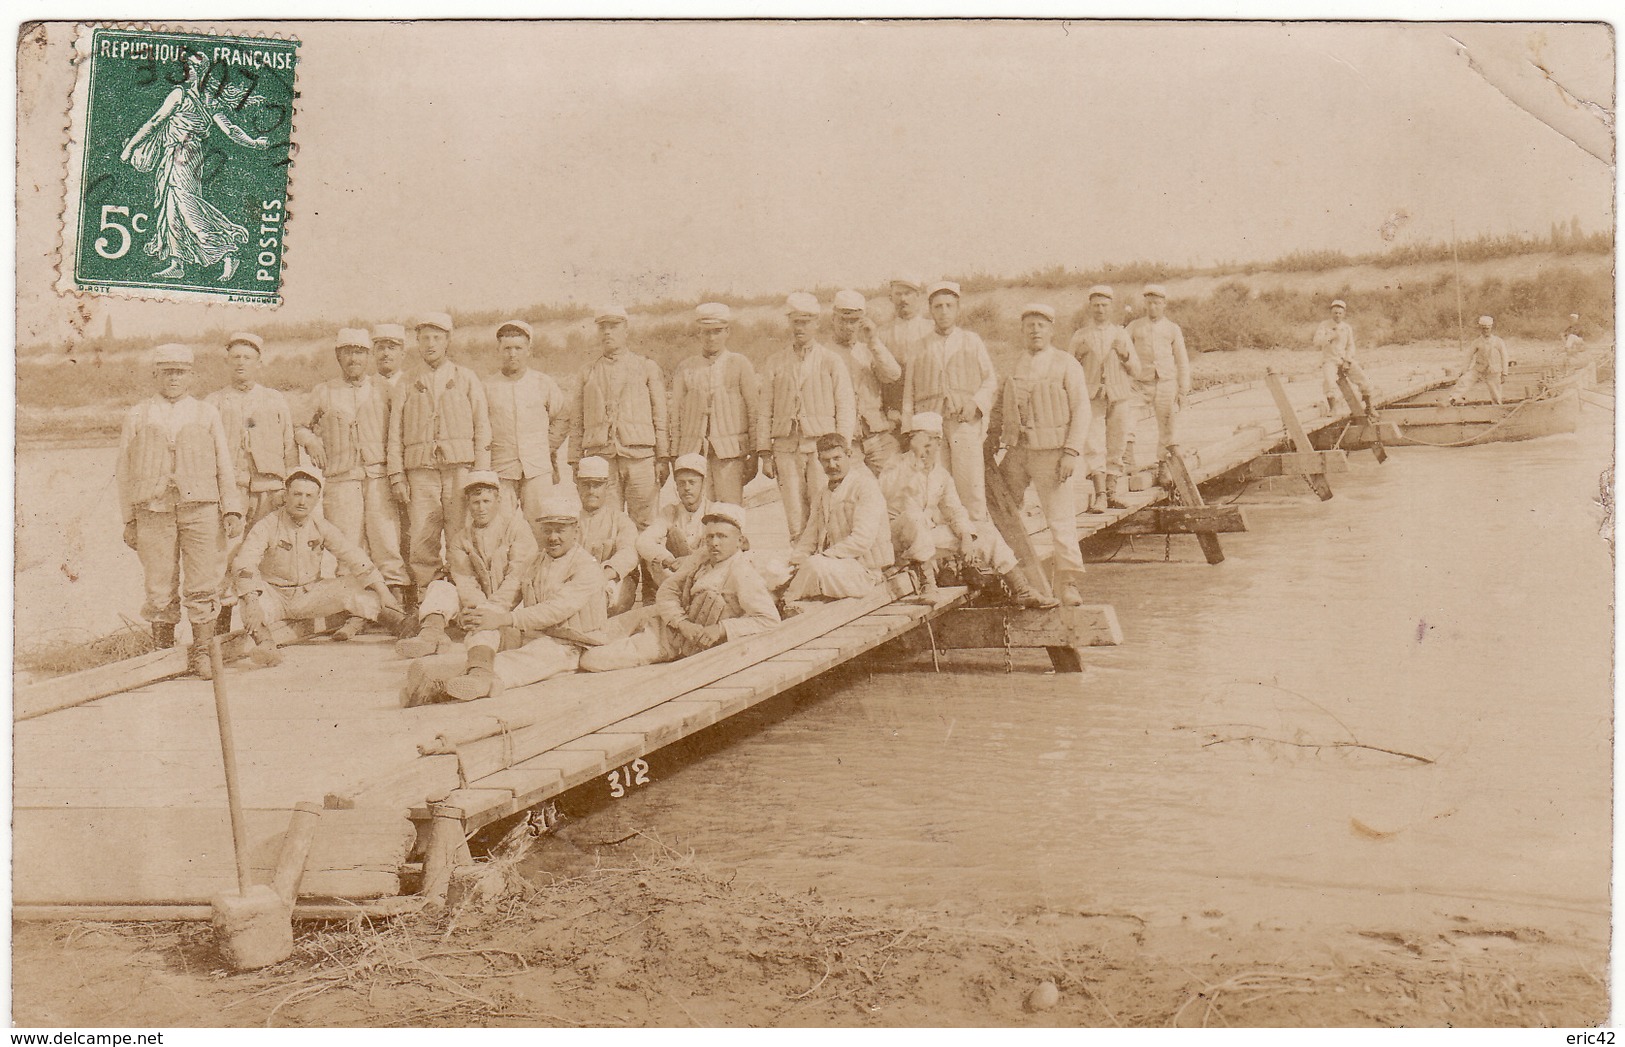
<point x="1295" y="430"/>
<point x="290" y="862"/>
<point x="228" y="754"/>
<point x="447" y="848"/>
<point x="1187" y="493"/>
<point x="1004" y="507"/>
<point x="1361" y="406"/>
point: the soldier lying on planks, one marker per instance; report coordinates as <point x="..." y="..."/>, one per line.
<point x="560" y="613"/>
<point x="714" y="596"/>
<point x="678" y="526"/>
<point x="278" y="572"/>
<point x="929" y="521"/>
<point x="486" y="562"/>
<point x="608" y="533"/>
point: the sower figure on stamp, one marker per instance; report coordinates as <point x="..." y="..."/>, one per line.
<point x="905" y="336"/>
<point x="383" y="514"/>
<point x="278" y="572"/>
<point x="872" y="367"/>
<point x="439" y="429"/>
<point x="1110" y="369"/>
<point x="560" y="612"/>
<point x="714" y="408"/>
<point x="847" y="541"/>
<point x="527" y="423"/>
<point x="806" y="395"/>
<point x="1043" y="423"/>
<point x="485" y="561"/>
<point x="619" y="415"/>
<point x="679" y="526"/>
<point x="1486" y="364"/>
<point x="953" y="376"/>
<point x="1335" y="340"/>
<point x="607" y="533"/>
<point x="259" y="430"/>
<point x="928" y="519"/>
<point x="180" y="503"/>
<point x="1165" y="368"/>
<point x="332" y="434"/>
<point x="716" y="595"/>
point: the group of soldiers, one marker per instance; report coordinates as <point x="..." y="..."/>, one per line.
<point x="438" y="493"/>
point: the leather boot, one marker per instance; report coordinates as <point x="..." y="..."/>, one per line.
<point x="197" y="662"/>
<point x="1022" y="594"/>
<point x="430" y="639"/>
<point x="222" y="624"/>
<point x="1114" y="493"/>
<point x="928" y="593"/>
<point x="350" y="629"/>
<point x="408" y="597"/>
<point x="163" y="635"/>
<point x="1097" y="504"/>
<point x="392" y="620"/>
<point x="479" y="680"/>
<point x="426" y="680"/>
<point x="265" y="651"/>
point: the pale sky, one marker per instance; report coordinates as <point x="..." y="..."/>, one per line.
<point x="471" y="166"/>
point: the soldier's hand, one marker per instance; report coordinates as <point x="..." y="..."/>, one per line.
<point x="866" y="329"/>
<point x="711" y="635"/>
<point x="662" y="470"/>
<point x="234" y="526"/>
<point x="402" y="493"/>
<point x="769" y="470"/>
<point x="129" y="534"/>
<point x="1065" y="467"/>
<point x="317" y="450"/>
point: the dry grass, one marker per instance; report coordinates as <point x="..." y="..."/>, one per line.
<point x="70" y="650"/>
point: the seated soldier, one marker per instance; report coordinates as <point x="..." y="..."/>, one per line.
<point x="560" y="612"/>
<point x="714" y="596"/>
<point x="677" y="528"/>
<point x="927" y="518"/>
<point x="278" y="572"/>
<point x="608" y="534"/>
<point x="485" y="561"/>
<point x="847" y="540"/>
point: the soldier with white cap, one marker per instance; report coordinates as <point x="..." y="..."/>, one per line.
<point x="1044" y="422"/>
<point x="1574" y="337"/>
<point x="439" y="429"/>
<point x="560" y="612"/>
<point x="383" y="516"/>
<point x="714" y="407"/>
<point x="619" y="415"/>
<point x="1165" y="367"/>
<point x="332" y="435"/>
<point x="278" y="572"/>
<point x="928" y="518"/>
<point x="714" y="596"/>
<point x="678" y="526"/>
<point x="872" y="367"/>
<point x="1110" y="369"/>
<point x="1486" y="364"/>
<point x="905" y="336"/>
<point x="527" y="421"/>
<point x="180" y="502"/>
<point x="608" y="533"/>
<point x="953" y="376"/>
<point x="806" y="394"/>
<point x="484" y="561"/>
<point x="1334" y="338"/>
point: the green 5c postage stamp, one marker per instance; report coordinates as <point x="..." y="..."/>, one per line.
<point x="179" y="152"/>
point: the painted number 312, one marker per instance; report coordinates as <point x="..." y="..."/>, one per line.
<point x="623" y="778"/>
<point x="104" y="244"/>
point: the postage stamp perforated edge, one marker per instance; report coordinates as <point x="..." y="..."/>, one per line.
<point x="75" y="129"/>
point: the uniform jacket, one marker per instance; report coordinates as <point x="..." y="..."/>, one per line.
<point x="562" y="597"/>
<point x="1160" y="344"/>
<point x="750" y="606"/>
<point x="486" y="564"/>
<point x="674" y="532"/>
<point x="620" y="409"/>
<point x="815" y="391"/>
<point x="1335" y="340"/>
<point x="905" y="338"/>
<point x="281" y="553"/>
<point x="426" y="431"/>
<point x="1106" y="373"/>
<point x="1045" y="403"/>
<point x="913" y="488"/>
<point x="872" y="367"/>
<point x="953" y="363"/>
<point x="1487" y="355"/>
<point x="714" y="406"/>
<point x="372" y="423"/>
<point x="850" y="522"/>
<point x="527" y="423"/>
<point x="612" y="539"/>
<point x="259" y="430"/>
<point x="161" y="465"/>
<point x="337" y="411"/>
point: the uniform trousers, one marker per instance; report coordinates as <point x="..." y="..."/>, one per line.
<point x="725" y="478"/>
<point x="962" y="446"/>
<point x="655" y="641"/>
<point x="260" y="505"/>
<point x="831" y="577"/>
<point x="1109" y="425"/>
<point x="798" y="475"/>
<point x="632" y="487"/>
<point x="441" y="598"/>
<point x="436" y="506"/>
<point x="524" y="494"/>
<point x="383" y="522"/>
<point x="919" y="539"/>
<point x="1467" y="382"/>
<point x="1025" y="465"/>
<point x="532" y="662"/>
<point x="1163" y="401"/>
<point x="344" y="507"/>
<point x="293" y="603"/>
<point x="1356" y="377"/>
<point x="187" y="548"/>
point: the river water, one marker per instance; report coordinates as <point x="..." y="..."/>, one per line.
<point x="1454" y="605"/>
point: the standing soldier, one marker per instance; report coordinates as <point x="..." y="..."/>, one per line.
<point x="619" y="415"/>
<point x="806" y="394"/>
<point x="872" y="367"/>
<point x="1110" y="369"/>
<point x="178" y="493"/>
<point x="527" y="409"/>
<point x="333" y="439"/>
<point x="1335" y="340"/>
<point x="439" y="429"/>
<point x="384" y="517"/>
<point x="1165" y="369"/>
<point x="1486" y="363"/>
<point x="1045" y="419"/>
<point x="1574" y="339"/>
<point x="607" y="533"/>
<point x="905" y="337"/>
<point x="713" y="408"/>
<point x="953" y="376"/>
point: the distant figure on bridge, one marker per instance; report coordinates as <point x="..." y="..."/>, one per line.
<point x="332" y="435"/>
<point x="1574" y="339"/>
<point x="1486" y="364"/>
<point x="847" y="541"/>
<point x="527" y="422"/>
<point x="679" y="526"/>
<point x="952" y="376"/>
<point x="1110" y="369"/>
<point x="1165" y="367"/>
<point x="619" y="416"/>
<point x="714" y="403"/>
<point x="384" y="515"/>
<point x="905" y="337"/>
<point x="873" y="368"/>
<point x="607" y="533"/>
<point x="714" y="596"/>
<point x="1335" y="340"/>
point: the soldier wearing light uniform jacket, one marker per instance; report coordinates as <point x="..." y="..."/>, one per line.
<point x="1486" y="364"/>
<point x="619" y="415"/>
<point x="953" y="376"/>
<point x="527" y="421"/>
<point x="1110" y="369"/>
<point x="873" y="368"/>
<point x="383" y="515"/>
<point x="1335" y="340"/>
<point x="332" y="434"/>
<point x="905" y="336"/>
<point x="714" y="404"/>
<point x="847" y="541"/>
<point x="678" y="526"/>
<point x="608" y="533"/>
<point x="1165" y="367"/>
